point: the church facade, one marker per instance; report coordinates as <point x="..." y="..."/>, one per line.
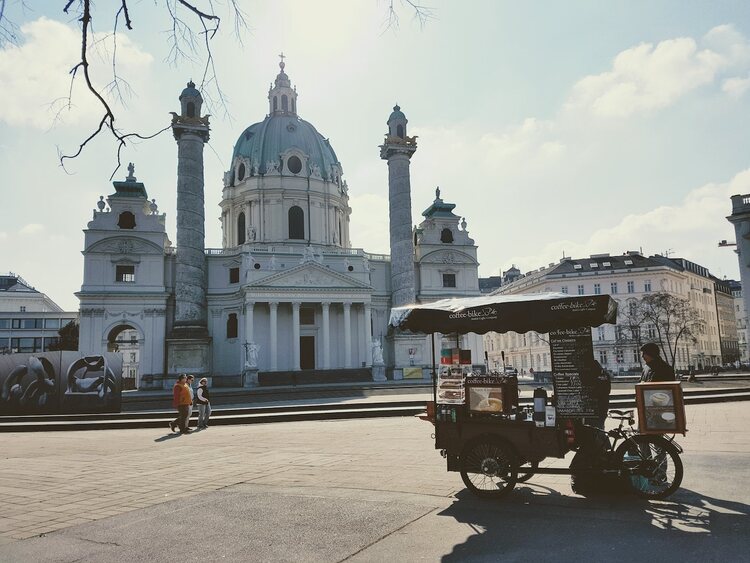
<point x="286" y="292"/>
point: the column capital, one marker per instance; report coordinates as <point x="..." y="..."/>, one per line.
<point x="296" y="304"/>
<point x="273" y="304"/>
<point x="346" y="304"/>
<point x="325" y="304"/>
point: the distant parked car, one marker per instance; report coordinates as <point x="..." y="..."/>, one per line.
<point x="510" y="370"/>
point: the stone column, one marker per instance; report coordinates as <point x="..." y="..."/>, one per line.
<point x="347" y="335"/>
<point x="274" y="309"/>
<point x="368" y="334"/>
<point x="295" y="335"/>
<point x="249" y="321"/>
<point x="326" y="335"/>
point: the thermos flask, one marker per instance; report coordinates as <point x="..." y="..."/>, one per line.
<point x="540" y="405"/>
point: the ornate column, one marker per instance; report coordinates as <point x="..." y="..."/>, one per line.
<point x="326" y="335"/>
<point x="347" y="334"/>
<point x="295" y="335"/>
<point x="368" y="334"/>
<point x="274" y="309"/>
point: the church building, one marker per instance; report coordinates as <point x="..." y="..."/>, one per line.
<point x="286" y="298"/>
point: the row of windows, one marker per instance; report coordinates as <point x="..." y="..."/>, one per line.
<point x="26" y="345"/>
<point x="613" y="288"/>
<point x="30" y="323"/>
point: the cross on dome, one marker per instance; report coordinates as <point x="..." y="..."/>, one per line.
<point x="282" y="97"/>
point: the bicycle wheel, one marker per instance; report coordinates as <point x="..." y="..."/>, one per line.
<point x="653" y="466"/>
<point x="489" y="467"/>
<point x="525" y="475"/>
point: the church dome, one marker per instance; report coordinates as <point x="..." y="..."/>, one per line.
<point x="263" y="142"/>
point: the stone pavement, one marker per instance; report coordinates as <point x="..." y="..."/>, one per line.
<point x="364" y="489"/>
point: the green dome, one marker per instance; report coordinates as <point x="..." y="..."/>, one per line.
<point x="263" y="142"/>
<point x="397" y="114"/>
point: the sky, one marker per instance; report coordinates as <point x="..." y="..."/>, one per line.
<point x="557" y="128"/>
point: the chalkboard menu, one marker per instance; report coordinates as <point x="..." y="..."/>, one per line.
<point x="572" y="365"/>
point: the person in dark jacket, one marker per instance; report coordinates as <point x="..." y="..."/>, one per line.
<point x="656" y="369"/>
<point x="204" y="404"/>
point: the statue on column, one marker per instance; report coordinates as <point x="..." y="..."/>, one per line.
<point x="252" y="354"/>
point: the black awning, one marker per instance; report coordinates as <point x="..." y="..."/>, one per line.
<point x="541" y="312"/>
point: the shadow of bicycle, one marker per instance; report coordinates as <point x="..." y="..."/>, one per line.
<point x="536" y="522"/>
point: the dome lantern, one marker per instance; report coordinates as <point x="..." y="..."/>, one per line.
<point x="282" y="98"/>
<point x="191" y="101"/>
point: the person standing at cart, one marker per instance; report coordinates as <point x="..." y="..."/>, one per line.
<point x="656" y="369"/>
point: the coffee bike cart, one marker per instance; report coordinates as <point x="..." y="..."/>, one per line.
<point x="484" y="435"/>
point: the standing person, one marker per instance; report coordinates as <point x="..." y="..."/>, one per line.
<point x="656" y="369"/>
<point x="204" y="404"/>
<point x="181" y="401"/>
<point x="189" y="383"/>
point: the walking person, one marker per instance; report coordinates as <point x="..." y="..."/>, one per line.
<point x="656" y="369"/>
<point x="189" y="384"/>
<point x="204" y="404"/>
<point x="182" y="402"/>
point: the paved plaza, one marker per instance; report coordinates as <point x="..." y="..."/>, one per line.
<point x="359" y="490"/>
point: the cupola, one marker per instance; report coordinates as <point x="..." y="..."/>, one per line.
<point x="397" y="123"/>
<point x="191" y="101"/>
<point x="282" y="98"/>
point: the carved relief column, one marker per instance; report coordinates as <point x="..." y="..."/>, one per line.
<point x="274" y="309"/>
<point x="326" y="335"/>
<point x="368" y="335"/>
<point x="347" y="334"/>
<point x="295" y="335"/>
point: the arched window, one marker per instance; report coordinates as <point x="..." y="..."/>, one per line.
<point x="191" y="109"/>
<point x="241" y="229"/>
<point x="126" y="220"/>
<point x="446" y="235"/>
<point x="284" y="103"/>
<point x="296" y="223"/>
<point x="275" y="103"/>
<point x="232" y="325"/>
<point x="341" y="240"/>
<point x="241" y="172"/>
<point x="400" y="131"/>
<point x="294" y="106"/>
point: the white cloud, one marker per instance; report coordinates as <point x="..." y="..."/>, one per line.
<point x="649" y="77"/>
<point x="736" y="87"/>
<point x="35" y="75"/>
<point x="691" y="229"/>
<point x="31" y="229"/>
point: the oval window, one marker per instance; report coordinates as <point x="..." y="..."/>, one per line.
<point x="241" y="172"/>
<point x="294" y="165"/>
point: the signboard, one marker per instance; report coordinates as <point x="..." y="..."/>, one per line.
<point x="412" y="373"/>
<point x="60" y="382"/>
<point x="572" y="366"/>
<point x="661" y="408"/>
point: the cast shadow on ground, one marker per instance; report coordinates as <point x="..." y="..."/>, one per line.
<point x="535" y="522"/>
<point x="168" y="437"/>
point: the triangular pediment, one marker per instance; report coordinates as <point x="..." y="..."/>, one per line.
<point x="309" y="275"/>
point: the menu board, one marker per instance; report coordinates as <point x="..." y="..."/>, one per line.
<point x="572" y="363"/>
<point x="450" y="390"/>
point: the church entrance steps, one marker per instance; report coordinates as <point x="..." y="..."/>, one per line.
<point x="314" y="376"/>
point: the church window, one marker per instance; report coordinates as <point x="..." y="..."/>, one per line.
<point x="294" y="164"/>
<point x="126" y="220"/>
<point x="125" y="273"/>
<point x="284" y="103"/>
<point x="191" y="109"/>
<point x="449" y="280"/>
<point x="294" y="106"/>
<point x="275" y="103"/>
<point x="232" y="325"/>
<point x="234" y="275"/>
<point x="341" y="241"/>
<point x="446" y="235"/>
<point x="241" y="172"/>
<point x="296" y="223"/>
<point x="400" y="131"/>
<point x="306" y="316"/>
<point x="256" y="266"/>
<point x="241" y="229"/>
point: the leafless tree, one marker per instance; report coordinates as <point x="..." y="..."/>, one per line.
<point x="194" y="24"/>
<point x="673" y="318"/>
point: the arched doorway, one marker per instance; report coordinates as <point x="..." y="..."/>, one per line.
<point x="124" y="339"/>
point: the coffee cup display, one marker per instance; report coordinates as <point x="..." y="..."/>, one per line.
<point x="660" y="399"/>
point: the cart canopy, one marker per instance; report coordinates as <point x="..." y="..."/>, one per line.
<point x="540" y="312"/>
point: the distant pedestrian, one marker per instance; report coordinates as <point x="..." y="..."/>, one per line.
<point x="181" y="401"/>
<point x="204" y="403"/>
<point x="656" y="369"/>
<point x="189" y="383"/>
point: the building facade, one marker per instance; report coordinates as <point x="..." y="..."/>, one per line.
<point x="627" y="276"/>
<point x="286" y="292"/>
<point x="29" y="320"/>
